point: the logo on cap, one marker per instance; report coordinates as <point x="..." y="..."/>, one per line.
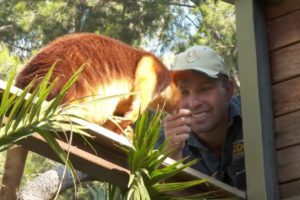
<point x="191" y="56"/>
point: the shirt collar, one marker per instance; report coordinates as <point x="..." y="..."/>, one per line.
<point x="194" y="141"/>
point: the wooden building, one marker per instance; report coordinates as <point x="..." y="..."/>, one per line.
<point x="284" y="49"/>
<point x="268" y="35"/>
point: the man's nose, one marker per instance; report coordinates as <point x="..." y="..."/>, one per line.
<point x="194" y="101"/>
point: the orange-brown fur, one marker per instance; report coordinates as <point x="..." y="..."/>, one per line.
<point x="112" y="67"/>
<point x="108" y="62"/>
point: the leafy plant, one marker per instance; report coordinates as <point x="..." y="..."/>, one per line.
<point x="149" y="177"/>
<point x="23" y="114"/>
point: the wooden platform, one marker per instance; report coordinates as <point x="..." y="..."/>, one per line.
<point x="107" y="161"/>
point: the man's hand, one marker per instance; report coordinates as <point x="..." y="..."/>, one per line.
<point x="177" y="128"/>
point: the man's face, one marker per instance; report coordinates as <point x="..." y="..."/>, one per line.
<point x="207" y="98"/>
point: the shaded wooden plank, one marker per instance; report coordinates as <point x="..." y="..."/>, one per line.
<point x="284" y="31"/>
<point x="286" y="96"/>
<point x="281" y="8"/>
<point x="96" y="167"/>
<point x="290" y="191"/>
<point x="285" y="63"/>
<point x="289" y="164"/>
<point x="287" y="129"/>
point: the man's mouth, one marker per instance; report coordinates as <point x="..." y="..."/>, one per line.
<point x="200" y="115"/>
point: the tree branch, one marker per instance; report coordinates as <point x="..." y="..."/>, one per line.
<point x="46" y="185"/>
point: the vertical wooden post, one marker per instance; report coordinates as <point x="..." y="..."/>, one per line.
<point x="256" y="97"/>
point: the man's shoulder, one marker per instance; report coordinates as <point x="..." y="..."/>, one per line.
<point x="236" y="100"/>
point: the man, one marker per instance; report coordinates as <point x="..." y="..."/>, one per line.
<point x="208" y="125"/>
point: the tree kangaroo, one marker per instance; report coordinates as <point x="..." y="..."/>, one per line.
<point x="111" y="67"/>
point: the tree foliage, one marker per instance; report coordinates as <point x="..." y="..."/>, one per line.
<point x="26" y="24"/>
<point x="158" y="25"/>
<point x="218" y="30"/>
<point x="213" y="25"/>
<point x="8" y="61"/>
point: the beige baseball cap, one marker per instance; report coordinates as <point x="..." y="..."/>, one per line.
<point x="201" y="58"/>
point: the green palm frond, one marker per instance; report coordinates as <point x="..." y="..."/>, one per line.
<point x="23" y="114"/>
<point x="149" y="176"/>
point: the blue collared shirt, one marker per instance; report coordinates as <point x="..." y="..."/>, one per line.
<point x="231" y="168"/>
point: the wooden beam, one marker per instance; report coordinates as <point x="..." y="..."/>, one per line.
<point x="95" y="166"/>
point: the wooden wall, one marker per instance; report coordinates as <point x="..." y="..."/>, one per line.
<point x="284" y="44"/>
